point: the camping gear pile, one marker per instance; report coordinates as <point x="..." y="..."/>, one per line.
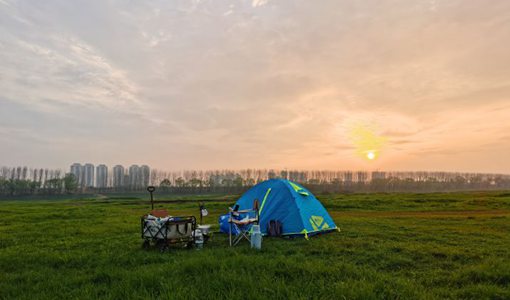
<point x="286" y="209"/>
<point x="162" y="230"/>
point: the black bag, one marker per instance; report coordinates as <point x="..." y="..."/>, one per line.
<point x="275" y="228"/>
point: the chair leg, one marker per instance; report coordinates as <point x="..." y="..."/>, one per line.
<point x="230" y="234"/>
<point x="239" y="238"/>
<point x="243" y="234"/>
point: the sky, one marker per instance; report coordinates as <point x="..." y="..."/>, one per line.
<point x="372" y="85"/>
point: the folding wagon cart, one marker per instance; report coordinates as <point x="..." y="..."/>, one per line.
<point x="162" y="230"/>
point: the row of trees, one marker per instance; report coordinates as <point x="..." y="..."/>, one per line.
<point x="331" y="181"/>
<point x="29" y="181"/>
<point x="24" y="181"/>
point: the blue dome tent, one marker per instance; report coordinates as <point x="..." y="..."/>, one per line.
<point x="291" y="204"/>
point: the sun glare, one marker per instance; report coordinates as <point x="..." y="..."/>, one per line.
<point x="368" y="143"/>
<point x="371" y="155"/>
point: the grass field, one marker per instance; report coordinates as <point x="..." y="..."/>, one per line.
<point x="405" y="246"/>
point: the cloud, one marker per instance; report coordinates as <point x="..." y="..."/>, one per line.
<point x="64" y="70"/>
<point x="213" y="84"/>
<point x="256" y="3"/>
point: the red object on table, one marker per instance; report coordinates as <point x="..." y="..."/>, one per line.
<point x="159" y="213"/>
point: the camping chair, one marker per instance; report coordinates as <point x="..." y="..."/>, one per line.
<point x="243" y="220"/>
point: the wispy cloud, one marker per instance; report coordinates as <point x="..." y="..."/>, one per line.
<point x="257" y="83"/>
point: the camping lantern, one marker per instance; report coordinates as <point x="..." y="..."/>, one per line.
<point x="203" y="211"/>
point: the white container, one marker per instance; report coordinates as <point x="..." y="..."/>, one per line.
<point x="173" y="231"/>
<point x="256" y="237"/>
<point x="204" y="229"/>
<point x="177" y="231"/>
<point x="199" y="239"/>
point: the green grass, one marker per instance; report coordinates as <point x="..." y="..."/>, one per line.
<point x="392" y="246"/>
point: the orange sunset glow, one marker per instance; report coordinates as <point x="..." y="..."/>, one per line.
<point x="413" y="85"/>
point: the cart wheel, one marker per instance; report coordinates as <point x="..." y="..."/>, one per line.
<point x="163" y="248"/>
<point x="162" y="245"/>
<point x="146" y="245"/>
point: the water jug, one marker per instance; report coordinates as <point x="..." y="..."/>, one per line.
<point x="256" y="237"/>
<point x="199" y="239"/>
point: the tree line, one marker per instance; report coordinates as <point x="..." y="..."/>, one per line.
<point x="29" y="181"/>
<point x="15" y="181"/>
<point x="331" y="181"/>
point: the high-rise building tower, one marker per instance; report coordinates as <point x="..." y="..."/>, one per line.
<point x="88" y="175"/>
<point x="118" y="176"/>
<point x="101" y="176"/>
<point x="77" y="171"/>
<point x="134" y="176"/>
<point x="126" y="180"/>
<point x="145" y="175"/>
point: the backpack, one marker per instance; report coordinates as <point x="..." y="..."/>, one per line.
<point x="274" y="228"/>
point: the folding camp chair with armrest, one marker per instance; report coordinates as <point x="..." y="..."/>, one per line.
<point x="243" y="224"/>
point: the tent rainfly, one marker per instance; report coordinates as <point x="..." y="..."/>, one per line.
<point x="300" y="213"/>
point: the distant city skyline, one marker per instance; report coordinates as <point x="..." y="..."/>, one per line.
<point x="136" y="176"/>
<point x="359" y="85"/>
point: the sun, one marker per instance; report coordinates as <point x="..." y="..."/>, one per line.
<point x="371" y="155"/>
<point x="367" y="142"/>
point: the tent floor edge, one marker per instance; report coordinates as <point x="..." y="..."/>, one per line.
<point x="309" y="234"/>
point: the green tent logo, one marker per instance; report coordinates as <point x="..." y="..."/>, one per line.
<point x="318" y="223"/>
